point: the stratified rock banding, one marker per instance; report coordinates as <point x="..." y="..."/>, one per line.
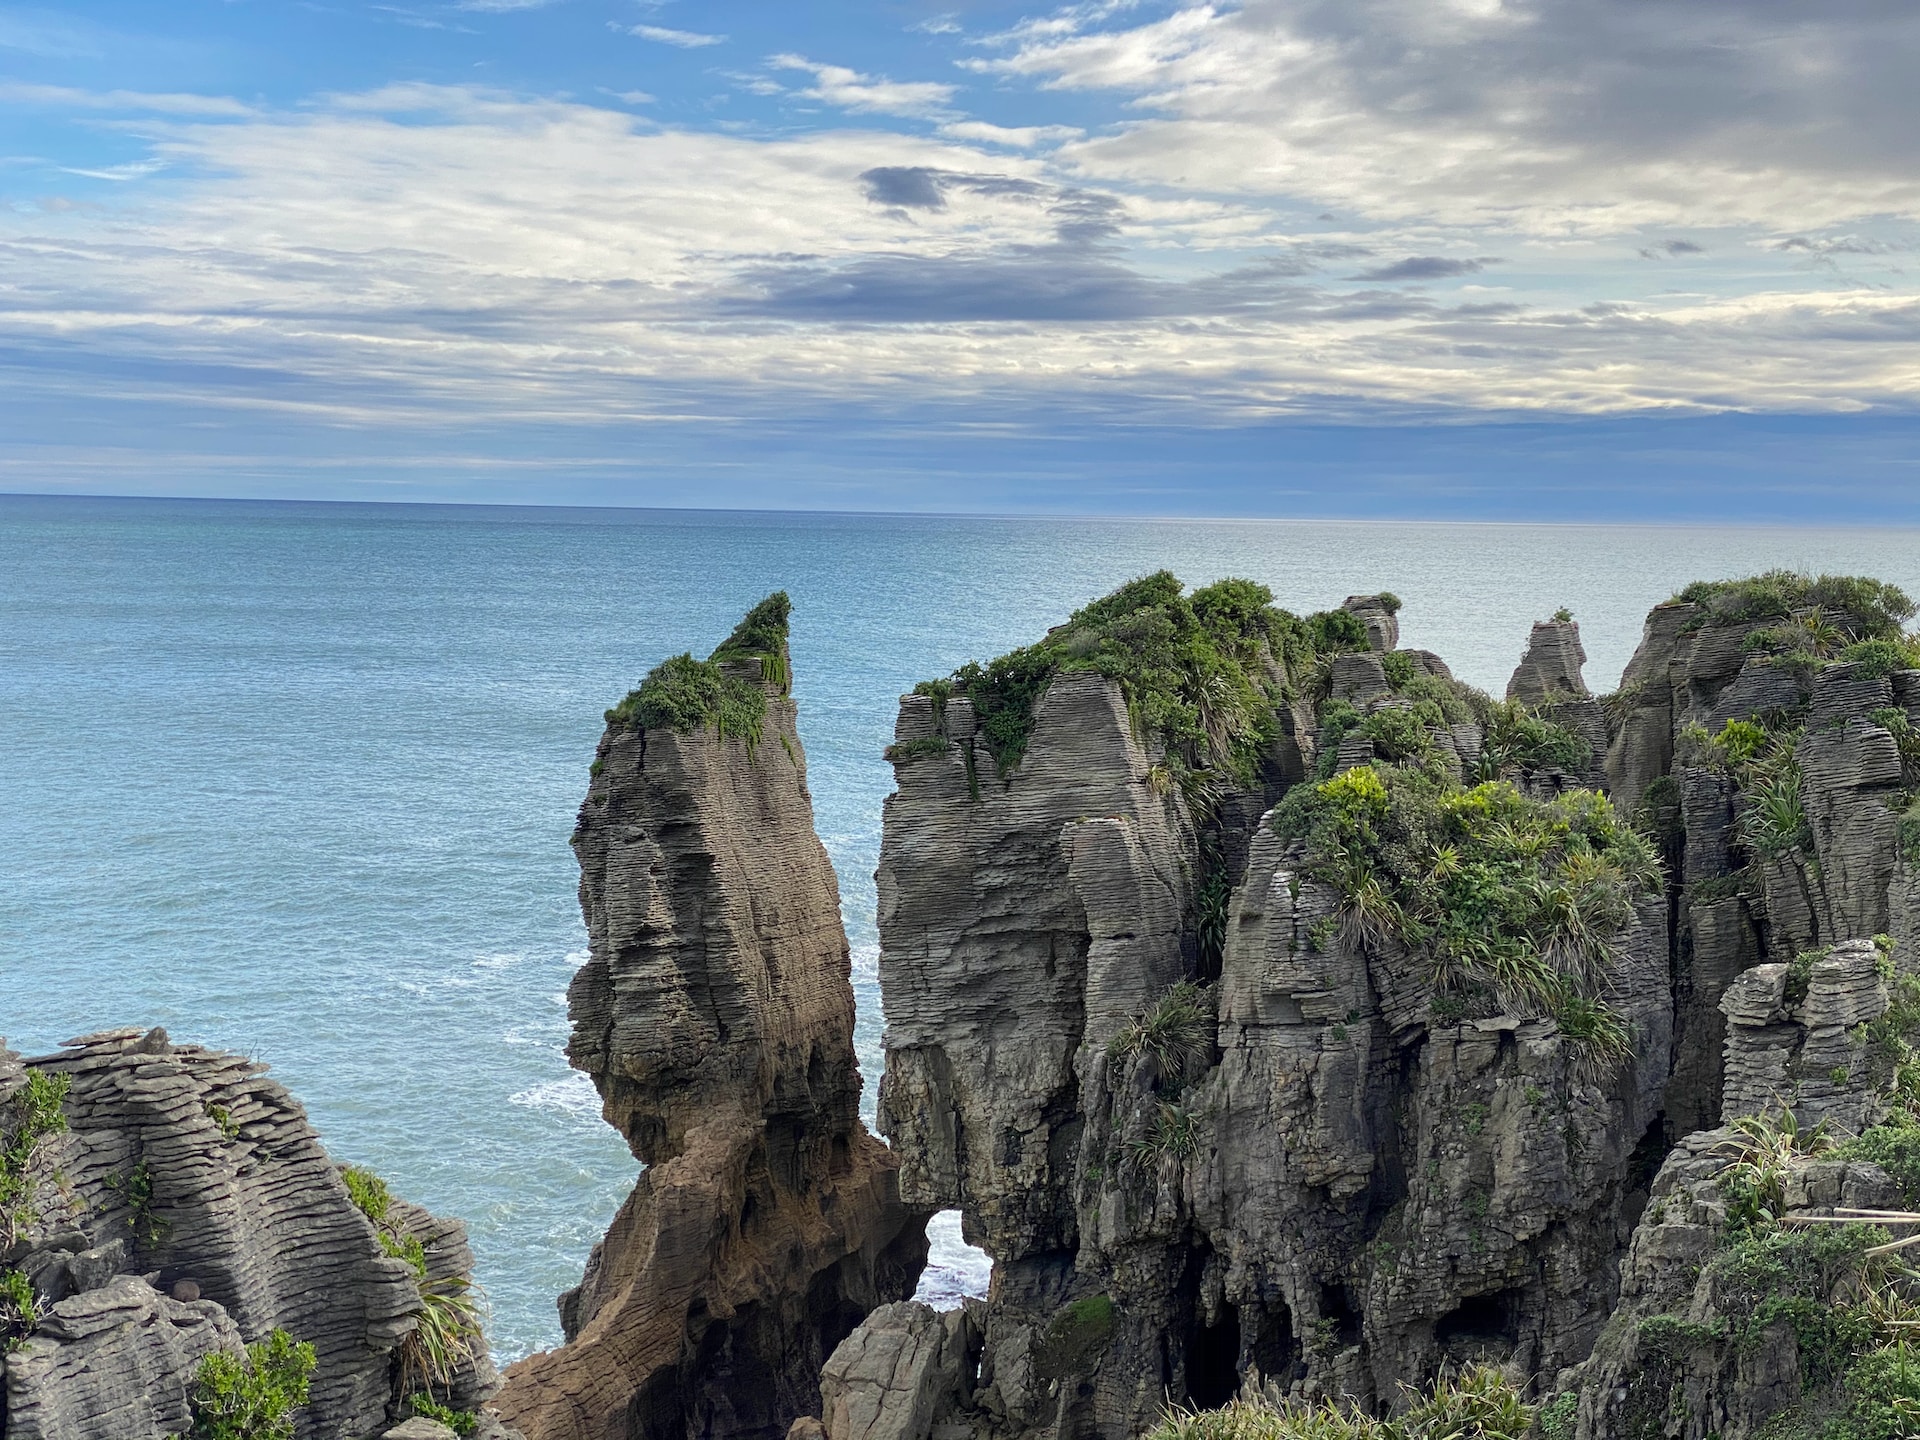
<point x="1399" y="1104"/>
<point x="715" y="1015"/>
<point x="188" y="1207"/>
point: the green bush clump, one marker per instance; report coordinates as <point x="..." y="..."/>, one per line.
<point x="1178" y="1033"/>
<point x="1894" y="1146"/>
<point x="685" y="694"/>
<point x="1477" y="1404"/>
<point x="19" y="1311"/>
<point x="1193" y="668"/>
<point x="1883" y="1394"/>
<point x="1515" y="900"/>
<point x="1861" y="608"/>
<point x="1882" y="656"/>
<point x="253" y="1396"/>
<point x="1517" y="738"/>
<point x="39" y="1110"/>
<point x="1766" y="1273"/>
<point x="461" y="1422"/>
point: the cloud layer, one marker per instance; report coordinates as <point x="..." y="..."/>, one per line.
<point x="1290" y="208"/>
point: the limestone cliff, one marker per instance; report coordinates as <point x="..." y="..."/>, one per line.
<point x="1400" y="1102"/>
<point x="164" y="1202"/>
<point x="715" y="1016"/>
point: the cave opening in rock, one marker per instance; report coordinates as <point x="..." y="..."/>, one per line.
<point x="1337" y="1307"/>
<point x="1268" y="1343"/>
<point x="1213" y="1360"/>
<point x="1481" y="1326"/>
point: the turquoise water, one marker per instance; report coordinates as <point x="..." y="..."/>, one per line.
<point x="297" y="780"/>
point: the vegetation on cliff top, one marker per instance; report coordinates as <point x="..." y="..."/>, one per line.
<point x="1203" y="671"/>
<point x="1854" y="606"/>
<point x="1513" y="903"/>
<point x="685" y="694"/>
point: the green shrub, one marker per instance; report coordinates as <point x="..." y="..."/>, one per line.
<point x="1767" y="1273"/>
<point x="1895" y="1147"/>
<point x="1193" y="667"/>
<point x="1516" y="738"/>
<point x="1559" y="1417"/>
<point x="923" y="748"/>
<point x="1883" y="1394"/>
<point x="1178" y="1032"/>
<point x="1508" y="898"/>
<point x="19" y="1313"/>
<point x="252" y="1396"/>
<point x="685" y="694"/>
<point x="1862" y="608"/>
<point x="368" y="1192"/>
<point x="461" y="1422"/>
<point x="1881" y="657"/>
<point x="39" y="1110"/>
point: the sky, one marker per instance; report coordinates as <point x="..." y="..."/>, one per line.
<point x="1529" y="259"/>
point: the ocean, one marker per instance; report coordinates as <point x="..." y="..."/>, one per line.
<point x="296" y="779"/>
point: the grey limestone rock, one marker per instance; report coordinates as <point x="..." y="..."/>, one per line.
<point x="715" y="1016"/>
<point x="194" y="1209"/>
<point x="904" y="1370"/>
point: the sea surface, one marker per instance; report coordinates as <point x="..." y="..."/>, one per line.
<point x="297" y="779"/>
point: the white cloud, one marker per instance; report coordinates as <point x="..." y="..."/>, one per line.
<point x="419" y="253"/>
<point x="62" y="97"/>
<point x="685" y="39"/>
<point x="1532" y="116"/>
<point x="1018" y="137"/>
<point x="846" y="89"/>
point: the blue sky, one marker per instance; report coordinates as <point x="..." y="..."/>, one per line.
<point x="1455" y="257"/>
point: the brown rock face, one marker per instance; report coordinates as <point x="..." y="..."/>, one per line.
<point x="715" y="1015"/>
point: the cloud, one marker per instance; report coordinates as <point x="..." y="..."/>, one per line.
<point x="1425" y="267"/>
<point x="1539" y="119"/>
<point x="424" y="255"/>
<point x="866" y="94"/>
<point x="1671" y="250"/>
<point x="62" y="97"/>
<point x="685" y="39"/>
<point x="1016" y="137"/>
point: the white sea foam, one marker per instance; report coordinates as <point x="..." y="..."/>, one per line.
<point x="504" y="961"/>
<point x="572" y="1095"/>
<point x="955" y="1270"/>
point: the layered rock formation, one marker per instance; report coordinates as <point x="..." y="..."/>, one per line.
<point x="1295" y="1159"/>
<point x="715" y="1016"/>
<point x="172" y="1201"/>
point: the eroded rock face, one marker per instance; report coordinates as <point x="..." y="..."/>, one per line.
<point x="715" y="1016"/>
<point x="1355" y="1191"/>
<point x="187" y="1208"/>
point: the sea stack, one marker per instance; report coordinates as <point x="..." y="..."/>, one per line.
<point x="715" y="1016"/>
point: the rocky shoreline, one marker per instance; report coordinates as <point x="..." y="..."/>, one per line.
<point x="1293" y="1025"/>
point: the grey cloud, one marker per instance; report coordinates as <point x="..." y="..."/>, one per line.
<point x="908" y="187"/>
<point x="1838" y="245"/>
<point x="1426" y="267"/>
<point x="1036" y="284"/>
<point x="1671" y="250"/>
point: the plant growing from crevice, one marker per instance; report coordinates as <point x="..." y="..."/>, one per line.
<point x="136" y="1189"/>
<point x="19" y="1310"/>
<point x="253" y="1395"/>
<point x="450" y="1325"/>
<point x="1177" y="1032"/>
<point x="461" y="1422"/>
<point x="39" y="1110"/>
<point x="1764" y="1149"/>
